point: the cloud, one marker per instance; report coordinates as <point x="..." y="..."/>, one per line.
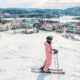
<point x="26" y="3"/>
<point x="39" y="3"/>
<point x="61" y="4"/>
<point x="68" y="1"/>
<point x="18" y="1"/>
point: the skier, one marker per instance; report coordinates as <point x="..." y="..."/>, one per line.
<point x="49" y="52"/>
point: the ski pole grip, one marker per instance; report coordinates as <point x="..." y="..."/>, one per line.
<point x="55" y="51"/>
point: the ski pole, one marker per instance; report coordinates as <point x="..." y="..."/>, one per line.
<point x="57" y="65"/>
<point x="57" y="62"/>
<point x="54" y="61"/>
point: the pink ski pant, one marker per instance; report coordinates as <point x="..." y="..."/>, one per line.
<point x="47" y="62"/>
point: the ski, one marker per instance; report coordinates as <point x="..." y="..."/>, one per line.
<point x="52" y="72"/>
<point x="49" y="69"/>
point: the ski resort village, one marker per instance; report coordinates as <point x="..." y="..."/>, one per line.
<point x="34" y="46"/>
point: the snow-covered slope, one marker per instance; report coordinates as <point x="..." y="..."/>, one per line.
<point x="19" y="52"/>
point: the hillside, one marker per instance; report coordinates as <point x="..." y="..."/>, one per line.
<point x="39" y="13"/>
<point x="19" y="53"/>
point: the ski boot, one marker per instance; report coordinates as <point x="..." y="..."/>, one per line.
<point x="42" y="68"/>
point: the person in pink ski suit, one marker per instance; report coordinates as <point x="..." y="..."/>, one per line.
<point x="49" y="52"/>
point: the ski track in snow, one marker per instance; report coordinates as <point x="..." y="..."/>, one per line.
<point x="20" y="52"/>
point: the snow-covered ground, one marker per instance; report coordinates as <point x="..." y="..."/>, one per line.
<point x="19" y="52"/>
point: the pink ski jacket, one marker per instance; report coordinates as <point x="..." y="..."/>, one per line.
<point x="48" y="49"/>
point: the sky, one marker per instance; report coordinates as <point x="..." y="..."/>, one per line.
<point x="61" y="4"/>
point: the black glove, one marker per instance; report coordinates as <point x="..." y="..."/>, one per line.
<point x="55" y="51"/>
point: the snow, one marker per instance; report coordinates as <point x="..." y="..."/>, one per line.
<point x="19" y="52"/>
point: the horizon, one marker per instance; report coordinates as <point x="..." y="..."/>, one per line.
<point x="42" y="4"/>
<point x="37" y="8"/>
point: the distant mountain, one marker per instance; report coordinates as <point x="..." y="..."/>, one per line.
<point x="75" y="11"/>
<point x="43" y="13"/>
<point x="28" y="9"/>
